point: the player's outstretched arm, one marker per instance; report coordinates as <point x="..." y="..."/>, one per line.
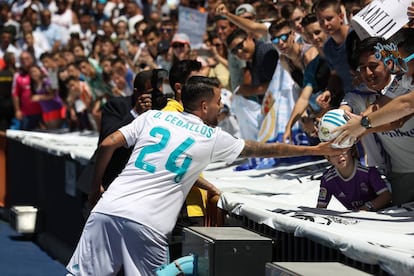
<point x="257" y="149"/>
<point x="104" y="155"/>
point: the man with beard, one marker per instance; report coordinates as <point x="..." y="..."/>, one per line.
<point x="130" y="223"/>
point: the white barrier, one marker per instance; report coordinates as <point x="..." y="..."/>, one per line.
<point x="285" y="199"/>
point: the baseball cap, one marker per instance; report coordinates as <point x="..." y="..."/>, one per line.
<point x="245" y="8"/>
<point x="180" y="38"/>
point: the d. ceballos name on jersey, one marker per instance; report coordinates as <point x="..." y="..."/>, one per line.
<point x="176" y="121"/>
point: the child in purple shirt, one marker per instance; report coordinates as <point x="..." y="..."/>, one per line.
<point x="355" y="186"/>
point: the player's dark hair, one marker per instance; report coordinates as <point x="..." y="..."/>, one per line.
<point x="196" y="89"/>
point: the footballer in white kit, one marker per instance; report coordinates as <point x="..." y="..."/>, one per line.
<point x="171" y="150"/>
<point x="129" y="225"/>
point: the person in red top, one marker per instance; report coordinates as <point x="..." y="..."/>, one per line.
<point x="26" y="110"/>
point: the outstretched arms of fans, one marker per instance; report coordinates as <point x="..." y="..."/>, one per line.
<point x="251" y="26"/>
<point x="299" y="108"/>
<point x="395" y="110"/>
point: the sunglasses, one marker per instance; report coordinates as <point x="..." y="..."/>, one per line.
<point x="178" y="45"/>
<point x="166" y="30"/>
<point x="217" y="45"/>
<point x="363" y="68"/>
<point x="283" y="37"/>
<point x="238" y="47"/>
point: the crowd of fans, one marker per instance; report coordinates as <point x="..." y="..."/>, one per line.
<point x="62" y="60"/>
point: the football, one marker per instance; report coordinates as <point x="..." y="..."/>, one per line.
<point x="329" y="121"/>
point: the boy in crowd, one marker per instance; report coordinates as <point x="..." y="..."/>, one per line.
<point x="355" y="186"/>
<point x="332" y="21"/>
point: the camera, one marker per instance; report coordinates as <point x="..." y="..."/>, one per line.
<point x="159" y="100"/>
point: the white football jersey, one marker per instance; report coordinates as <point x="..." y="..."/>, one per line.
<point x="171" y="149"/>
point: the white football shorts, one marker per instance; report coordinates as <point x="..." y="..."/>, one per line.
<point x="109" y="242"/>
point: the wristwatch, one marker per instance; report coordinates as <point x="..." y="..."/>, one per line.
<point x="366" y="122"/>
<point x="369" y="206"/>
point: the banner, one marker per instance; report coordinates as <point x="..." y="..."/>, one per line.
<point x="381" y="18"/>
<point x="277" y="105"/>
<point x="193" y="23"/>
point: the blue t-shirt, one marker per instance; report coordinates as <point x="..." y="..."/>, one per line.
<point x="337" y="58"/>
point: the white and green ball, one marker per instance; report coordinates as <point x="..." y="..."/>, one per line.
<point x="330" y="121"/>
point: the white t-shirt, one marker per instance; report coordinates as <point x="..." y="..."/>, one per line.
<point x="399" y="144"/>
<point x="171" y="150"/>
